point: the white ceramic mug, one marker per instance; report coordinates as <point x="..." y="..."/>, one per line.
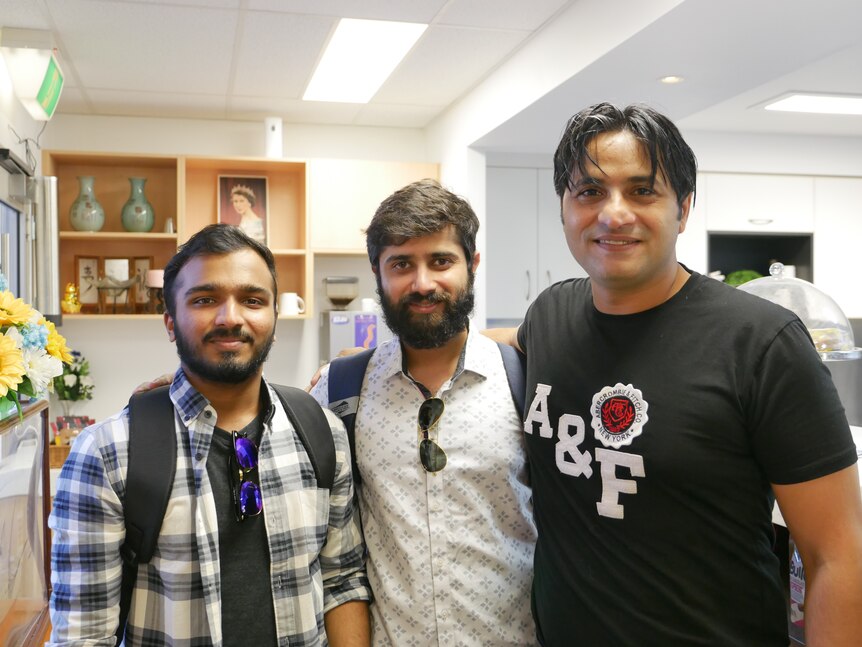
<point x="290" y="303"/>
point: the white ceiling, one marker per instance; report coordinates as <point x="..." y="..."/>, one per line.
<point x="249" y="59"/>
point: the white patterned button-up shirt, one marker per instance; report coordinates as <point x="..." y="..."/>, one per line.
<point x="450" y="554"/>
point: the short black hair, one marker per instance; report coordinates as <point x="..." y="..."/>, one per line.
<point x="420" y="209"/>
<point x="667" y="150"/>
<point x="214" y="240"/>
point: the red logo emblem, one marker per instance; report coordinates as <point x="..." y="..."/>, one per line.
<point x="618" y="414"/>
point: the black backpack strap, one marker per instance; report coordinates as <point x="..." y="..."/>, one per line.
<point x="313" y="429"/>
<point x="345" y="383"/>
<point x="515" y="364"/>
<point x="149" y="480"/>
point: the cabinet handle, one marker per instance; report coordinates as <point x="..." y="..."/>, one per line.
<point x="527" y="297"/>
<point x="760" y="221"/>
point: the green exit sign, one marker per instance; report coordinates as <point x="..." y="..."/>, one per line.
<point x="52" y="85"/>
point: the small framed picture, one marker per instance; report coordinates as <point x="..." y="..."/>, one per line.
<point x="119" y="270"/>
<point x="243" y="201"/>
<point x="116" y="268"/>
<point x="141" y="265"/>
<point x="87" y="272"/>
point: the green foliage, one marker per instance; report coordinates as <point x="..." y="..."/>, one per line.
<point x="75" y="383"/>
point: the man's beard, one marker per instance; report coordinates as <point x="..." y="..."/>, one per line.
<point x="425" y="331"/>
<point x="228" y="370"/>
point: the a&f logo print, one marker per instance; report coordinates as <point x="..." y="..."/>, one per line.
<point x="619" y="414"/>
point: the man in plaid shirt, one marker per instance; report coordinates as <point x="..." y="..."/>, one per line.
<point x="251" y="550"/>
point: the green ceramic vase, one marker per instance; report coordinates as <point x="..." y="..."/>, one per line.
<point x="86" y="213"/>
<point x="138" y="215"/>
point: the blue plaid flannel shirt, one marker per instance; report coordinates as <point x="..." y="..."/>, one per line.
<point x="315" y="542"/>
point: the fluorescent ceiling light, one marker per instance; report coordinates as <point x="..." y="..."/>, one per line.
<point x="672" y="80"/>
<point x="34" y="70"/>
<point x="819" y="103"/>
<point x="359" y="58"/>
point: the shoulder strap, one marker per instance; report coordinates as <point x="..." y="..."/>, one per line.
<point x="313" y="429"/>
<point x="515" y="364"/>
<point x="345" y="383"/>
<point x="150" y="477"/>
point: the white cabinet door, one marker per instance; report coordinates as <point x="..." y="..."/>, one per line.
<point x="759" y="203"/>
<point x="510" y="238"/>
<point x="691" y="245"/>
<point x="838" y="213"/>
<point x="555" y="262"/>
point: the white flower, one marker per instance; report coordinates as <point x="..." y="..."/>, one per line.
<point x="86" y="380"/>
<point x="70" y="380"/>
<point x="41" y="368"/>
<point x="14" y="334"/>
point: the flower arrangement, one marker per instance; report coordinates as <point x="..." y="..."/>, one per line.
<point x="32" y="352"/>
<point x="75" y="383"/>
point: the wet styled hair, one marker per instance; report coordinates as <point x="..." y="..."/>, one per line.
<point x="420" y="209"/>
<point x="661" y="140"/>
<point x="214" y="240"/>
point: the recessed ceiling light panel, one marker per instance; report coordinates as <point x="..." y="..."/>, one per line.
<point x="359" y="58"/>
<point x="818" y="103"/>
<point x="671" y="80"/>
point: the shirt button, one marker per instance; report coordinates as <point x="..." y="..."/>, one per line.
<point x="199" y="456"/>
<point x="208" y="414"/>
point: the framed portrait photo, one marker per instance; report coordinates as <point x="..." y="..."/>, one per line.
<point x="141" y="265"/>
<point x="87" y="272"/>
<point x="243" y="201"/>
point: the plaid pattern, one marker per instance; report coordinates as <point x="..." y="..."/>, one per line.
<point x="316" y="549"/>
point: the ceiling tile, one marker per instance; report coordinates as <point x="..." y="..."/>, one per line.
<point x="147" y="47"/>
<point x="493" y="14"/>
<point x="446" y="62"/>
<point x="403" y="10"/>
<point x="277" y="52"/>
<point x="151" y="104"/>
<point x="293" y="111"/>
<point x="23" y="14"/>
<point x="399" y="116"/>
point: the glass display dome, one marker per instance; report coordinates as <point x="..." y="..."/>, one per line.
<point x="826" y="322"/>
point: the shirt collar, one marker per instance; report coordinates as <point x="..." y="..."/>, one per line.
<point x="190" y="403"/>
<point x="393" y="361"/>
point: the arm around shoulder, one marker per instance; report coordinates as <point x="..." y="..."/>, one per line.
<point x="507" y="336"/>
<point x="824" y="517"/>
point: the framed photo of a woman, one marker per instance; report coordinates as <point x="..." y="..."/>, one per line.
<point x="243" y="201"/>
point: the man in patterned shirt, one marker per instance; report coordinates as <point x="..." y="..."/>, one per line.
<point x="447" y="514"/>
<point x="281" y="566"/>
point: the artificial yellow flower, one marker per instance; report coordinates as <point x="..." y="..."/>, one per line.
<point x="13" y="311"/>
<point x="11" y="365"/>
<point x="56" y="343"/>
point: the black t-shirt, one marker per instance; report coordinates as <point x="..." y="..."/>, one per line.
<point x="248" y="616"/>
<point x="653" y="439"/>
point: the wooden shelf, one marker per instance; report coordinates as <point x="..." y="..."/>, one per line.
<point x="186" y="189"/>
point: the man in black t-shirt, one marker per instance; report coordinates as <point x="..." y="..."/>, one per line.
<point x="667" y="413"/>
